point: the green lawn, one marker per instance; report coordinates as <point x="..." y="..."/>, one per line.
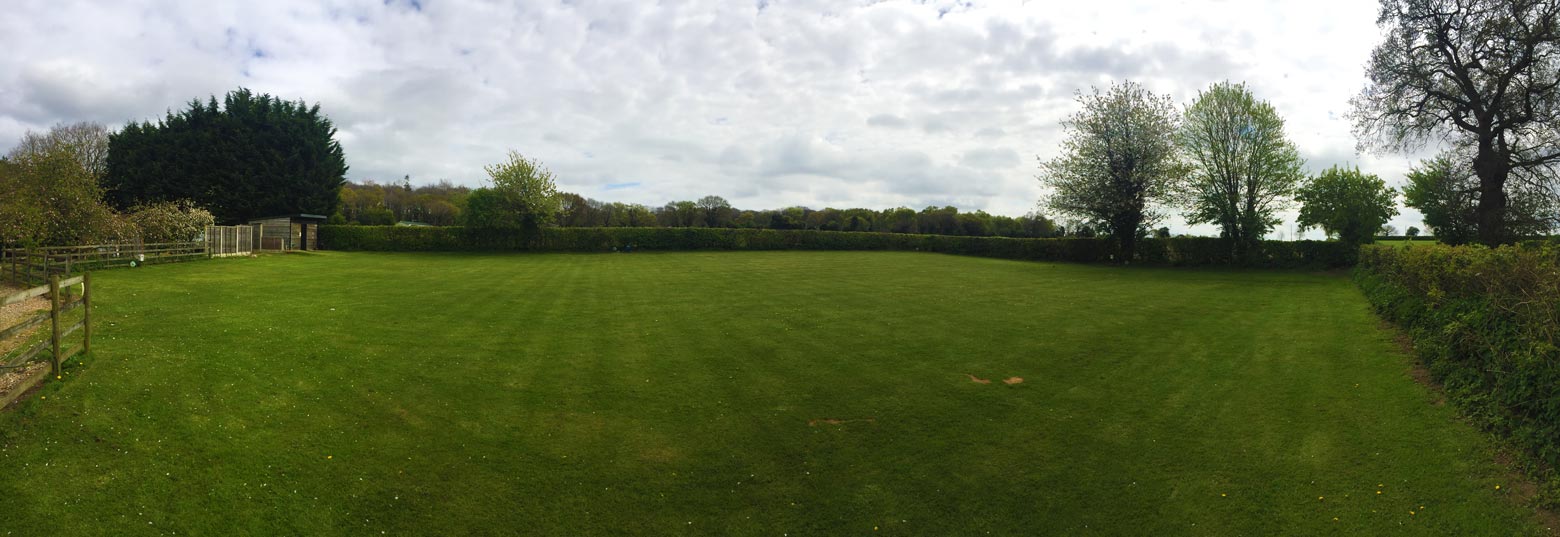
<point x="663" y="394"/>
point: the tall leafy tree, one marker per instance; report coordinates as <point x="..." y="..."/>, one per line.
<point x="715" y="210"/>
<point x="1346" y="204"/>
<point x="523" y="196"/>
<point x="1480" y="73"/>
<point x="1446" y="197"/>
<point x="1244" y="169"/>
<point x="1118" y="162"/>
<point x="251" y="155"/>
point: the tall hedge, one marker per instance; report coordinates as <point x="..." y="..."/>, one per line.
<point x="1177" y="252"/>
<point x="253" y="155"/>
<point x="1485" y="323"/>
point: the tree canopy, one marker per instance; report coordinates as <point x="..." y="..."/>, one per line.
<point x="1346" y="203"/>
<point x="522" y="196"/>
<point x="252" y="155"/>
<point x="48" y="197"/>
<point x="1244" y="168"/>
<point x="1479" y="73"/>
<point x="1117" y="163"/>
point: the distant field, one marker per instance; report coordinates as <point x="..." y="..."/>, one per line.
<point x="759" y="393"/>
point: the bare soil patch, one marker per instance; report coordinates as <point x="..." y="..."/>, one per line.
<point x="10" y="378"/>
<point x="1013" y="380"/>
<point x="13" y="314"/>
<point x="978" y="380"/>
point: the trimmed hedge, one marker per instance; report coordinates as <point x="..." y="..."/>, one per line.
<point x="1485" y="323"/>
<point x="1177" y="252"/>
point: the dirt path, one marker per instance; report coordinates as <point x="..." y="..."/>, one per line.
<point x="15" y="313"/>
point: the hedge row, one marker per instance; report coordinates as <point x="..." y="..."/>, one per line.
<point x="1485" y="323"/>
<point x="1178" y="252"/>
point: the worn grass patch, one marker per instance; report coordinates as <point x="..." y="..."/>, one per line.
<point x="807" y="393"/>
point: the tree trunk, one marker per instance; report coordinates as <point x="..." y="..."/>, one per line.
<point x="1492" y="170"/>
<point x="1125" y="237"/>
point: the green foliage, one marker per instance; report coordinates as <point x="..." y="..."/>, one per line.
<point x="1446" y="196"/>
<point x="485" y="210"/>
<point x="370" y="203"/>
<point x="49" y="198"/>
<point x="523" y="196"/>
<point x="1485" y="323"/>
<point x="1347" y="204"/>
<point x="170" y="221"/>
<point x="1412" y="231"/>
<point x="1118" y="160"/>
<point x="251" y="156"/>
<point x="443" y="204"/>
<point x="1244" y="167"/>
<point x="1186" y="251"/>
<point x="715" y="210"/>
<point x="376" y="216"/>
<point x="1446" y="191"/>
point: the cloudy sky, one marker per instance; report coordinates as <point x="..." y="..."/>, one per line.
<point x="769" y="103"/>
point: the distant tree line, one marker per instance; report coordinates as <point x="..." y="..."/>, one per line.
<point x="444" y="204"/>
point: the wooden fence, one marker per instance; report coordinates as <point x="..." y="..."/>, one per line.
<point x="223" y="241"/>
<point x="60" y="303"/>
<point x="34" y="266"/>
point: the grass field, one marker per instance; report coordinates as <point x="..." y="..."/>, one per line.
<point x="770" y="393"/>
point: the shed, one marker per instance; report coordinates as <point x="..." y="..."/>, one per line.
<point x="288" y="231"/>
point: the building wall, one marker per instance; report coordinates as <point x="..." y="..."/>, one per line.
<point x="279" y="234"/>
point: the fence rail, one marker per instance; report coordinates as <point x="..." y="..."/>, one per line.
<point x="60" y="303"/>
<point x="34" y="266"/>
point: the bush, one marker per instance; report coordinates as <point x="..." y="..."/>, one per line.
<point x="1177" y="252"/>
<point x="1484" y="321"/>
<point x="170" y="221"/>
<point x="50" y="199"/>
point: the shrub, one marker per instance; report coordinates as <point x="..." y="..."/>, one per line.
<point x="170" y="221"/>
<point x="50" y="199"/>
<point x="1484" y="321"/>
<point x="1178" y="251"/>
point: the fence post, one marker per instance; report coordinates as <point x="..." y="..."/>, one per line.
<point x="54" y="318"/>
<point x="86" y="309"/>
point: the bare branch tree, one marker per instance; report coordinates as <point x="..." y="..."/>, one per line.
<point x="86" y="142"/>
<point x="1483" y="73"/>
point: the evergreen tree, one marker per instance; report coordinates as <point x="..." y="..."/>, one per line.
<point x="252" y="155"/>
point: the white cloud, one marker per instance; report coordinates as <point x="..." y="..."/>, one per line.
<point x="771" y="104"/>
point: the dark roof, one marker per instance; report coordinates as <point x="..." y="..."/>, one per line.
<point x="299" y="216"/>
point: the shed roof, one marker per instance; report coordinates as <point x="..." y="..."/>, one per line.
<point x="300" y="216"/>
